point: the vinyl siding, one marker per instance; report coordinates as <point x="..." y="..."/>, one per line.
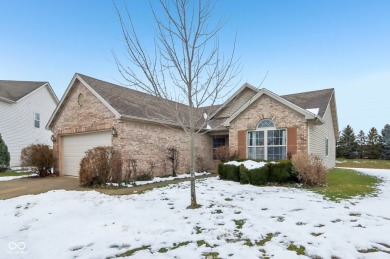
<point x="17" y="122"/>
<point x="236" y="103"/>
<point x="317" y="139"/>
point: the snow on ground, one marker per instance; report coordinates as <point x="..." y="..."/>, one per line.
<point x="9" y="178"/>
<point x="249" y="164"/>
<point x="235" y="221"/>
<point x="158" y="179"/>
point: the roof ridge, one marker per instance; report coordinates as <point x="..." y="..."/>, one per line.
<point x="19" y="81"/>
<point x="313" y="91"/>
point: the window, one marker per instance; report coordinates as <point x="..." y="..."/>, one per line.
<point x="326" y="146"/>
<point x="256" y="145"/>
<point x="37" y="119"/>
<point x="267" y="123"/>
<point x="267" y="143"/>
<point x="218" y="142"/>
<point x="80" y="99"/>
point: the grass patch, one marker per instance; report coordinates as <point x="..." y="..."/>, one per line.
<point x="300" y="250"/>
<point x="267" y="238"/>
<point x="13" y="173"/>
<point x="163" y="250"/>
<point x="211" y="255"/>
<point x="248" y="242"/>
<point x="133" y="251"/>
<point x="175" y="246"/>
<point x="202" y="242"/>
<point x="198" y="230"/>
<point x="363" y="163"/>
<point x="346" y="184"/>
<point x="372" y="250"/>
<point x="239" y="223"/>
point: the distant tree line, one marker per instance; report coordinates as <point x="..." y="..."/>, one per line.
<point x="371" y="146"/>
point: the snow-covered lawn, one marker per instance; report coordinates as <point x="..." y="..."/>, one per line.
<point x="236" y="221"/>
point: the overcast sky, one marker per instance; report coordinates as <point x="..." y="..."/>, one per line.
<point x="305" y="45"/>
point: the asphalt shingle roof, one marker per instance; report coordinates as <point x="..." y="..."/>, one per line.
<point x="309" y="100"/>
<point x="129" y="102"/>
<point x="15" y="90"/>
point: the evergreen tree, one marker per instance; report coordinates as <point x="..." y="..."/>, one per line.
<point x="4" y="155"/>
<point x="361" y="141"/>
<point x="347" y="146"/>
<point x="373" y="149"/>
<point x="385" y="152"/>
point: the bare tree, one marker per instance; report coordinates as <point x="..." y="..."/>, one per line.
<point x="185" y="67"/>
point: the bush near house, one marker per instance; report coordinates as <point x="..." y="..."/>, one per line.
<point x="96" y="166"/>
<point x="280" y="172"/>
<point x="309" y="169"/>
<point x="4" y="155"/>
<point x="102" y="165"/>
<point x="222" y="153"/>
<point x="38" y="156"/>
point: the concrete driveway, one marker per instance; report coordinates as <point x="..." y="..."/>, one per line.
<point x="36" y="185"/>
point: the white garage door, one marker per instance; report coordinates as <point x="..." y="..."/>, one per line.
<point x="74" y="148"/>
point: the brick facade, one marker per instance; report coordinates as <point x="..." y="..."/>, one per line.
<point x="268" y="108"/>
<point x="148" y="142"/>
<point x="143" y="141"/>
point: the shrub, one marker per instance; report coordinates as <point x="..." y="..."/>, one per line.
<point x="95" y="167"/>
<point x="201" y="165"/>
<point x="222" y="153"/>
<point x="281" y="172"/>
<point x="116" y="168"/>
<point x="309" y="169"/>
<point x="222" y="171"/>
<point x="229" y="172"/>
<point x="173" y="156"/>
<point x="39" y="156"/>
<point x="151" y="167"/>
<point x="258" y="176"/>
<point x="244" y="175"/>
<point x="130" y="167"/>
<point x="144" y="176"/>
<point x="4" y="155"/>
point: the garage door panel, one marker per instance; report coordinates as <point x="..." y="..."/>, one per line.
<point x="75" y="146"/>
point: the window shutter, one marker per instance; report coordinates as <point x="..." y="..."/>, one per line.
<point x="292" y="140"/>
<point x="241" y="139"/>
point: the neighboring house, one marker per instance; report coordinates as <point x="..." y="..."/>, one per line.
<point x="25" y="108"/>
<point x="255" y="123"/>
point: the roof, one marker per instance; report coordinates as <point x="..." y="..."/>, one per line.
<point x="127" y="103"/>
<point x="15" y="90"/>
<point x="311" y="100"/>
<point x="135" y="104"/>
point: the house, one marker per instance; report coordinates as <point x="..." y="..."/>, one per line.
<point x="25" y="108"/>
<point x="255" y="123"/>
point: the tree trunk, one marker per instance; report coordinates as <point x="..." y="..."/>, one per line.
<point x="194" y="204"/>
